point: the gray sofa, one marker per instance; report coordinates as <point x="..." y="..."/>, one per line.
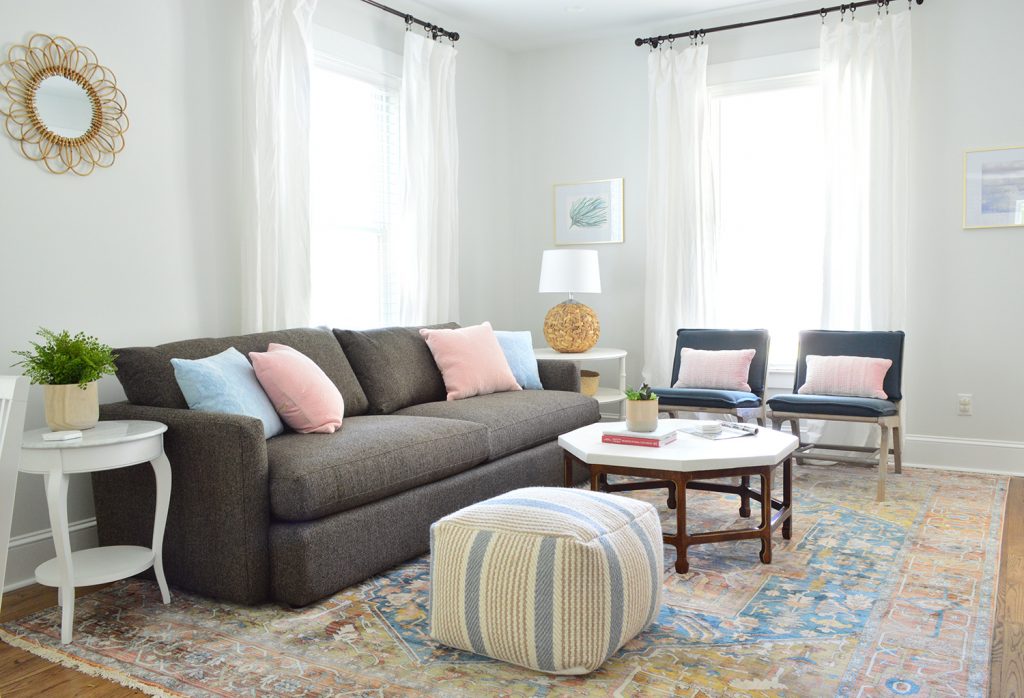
<point x="300" y="516"/>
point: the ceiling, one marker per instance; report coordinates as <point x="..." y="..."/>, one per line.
<point x="523" y="25"/>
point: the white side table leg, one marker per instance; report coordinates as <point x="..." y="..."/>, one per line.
<point x="162" y="470"/>
<point x="57" y="500"/>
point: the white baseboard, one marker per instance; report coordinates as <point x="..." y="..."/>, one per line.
<point x="28" y="551"/>
<point x="973" y="455"/>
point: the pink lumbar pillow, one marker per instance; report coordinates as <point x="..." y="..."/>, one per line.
<point x="300" y="391"/>
<point x="726" y="369"/>
<point x="471" y="361"/>
<point x="850" y="376"/>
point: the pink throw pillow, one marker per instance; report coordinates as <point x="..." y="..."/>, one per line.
<point x="300" y="391"/>
<point x="726" y="369"/>
<point x="471" y="361"/>
<point x="851" y="376"/>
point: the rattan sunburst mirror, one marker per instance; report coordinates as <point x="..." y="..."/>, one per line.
<point x="62" y="107"/>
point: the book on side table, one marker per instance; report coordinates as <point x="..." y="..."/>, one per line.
<point x="664" y="434"/>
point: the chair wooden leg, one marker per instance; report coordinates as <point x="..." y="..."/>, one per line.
<point x="897" y="448"/>
<point x="883" y="462"/>
<point x="794" y="425"/>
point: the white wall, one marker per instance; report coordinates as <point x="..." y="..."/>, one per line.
<point x="148" y="251"/>
<point x="145" y="251"/>
<point x="581" y="114"/>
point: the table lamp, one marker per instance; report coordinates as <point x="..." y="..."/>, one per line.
<point x="570" y="327"/>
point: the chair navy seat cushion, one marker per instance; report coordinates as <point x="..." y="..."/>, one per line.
<point x="838" y="405"/>
<point x="705" y="397"/>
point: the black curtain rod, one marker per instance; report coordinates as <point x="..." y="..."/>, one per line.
<point x="823" y="12"/>
<point x="435" y="31"/>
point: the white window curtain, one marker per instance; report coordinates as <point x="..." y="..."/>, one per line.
<point x="425" y="250"/>
<point x="275" y="271"/>
<point x="865" y="79"/>
<point x="680" y="269"/>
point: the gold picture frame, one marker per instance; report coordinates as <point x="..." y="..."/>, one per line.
<point x="80" y="150"/>
<point x="592" y="212"/>
<point x="994" y="188"/>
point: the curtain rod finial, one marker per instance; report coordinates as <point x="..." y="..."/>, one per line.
<point x="638" y="42"/>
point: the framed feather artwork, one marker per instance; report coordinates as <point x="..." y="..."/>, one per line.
<point x="589" y="213"/>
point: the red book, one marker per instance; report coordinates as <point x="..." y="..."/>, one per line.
<point x="636" y="440"/>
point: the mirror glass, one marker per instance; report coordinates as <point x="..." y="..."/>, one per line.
<point x="63" y="106"/>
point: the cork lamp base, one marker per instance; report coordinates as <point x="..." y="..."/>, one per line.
<point x="571" y="327"/>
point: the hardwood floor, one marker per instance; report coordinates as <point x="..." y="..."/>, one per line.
<point x="23" y="674"/>
<point x="1008" y="633"/>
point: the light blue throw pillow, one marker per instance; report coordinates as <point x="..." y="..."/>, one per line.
<point x="226" y="383"/>
<point x="518" y="349"/>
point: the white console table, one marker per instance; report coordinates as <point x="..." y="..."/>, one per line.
<point x="106" y="446"/>
<point x="604" y="395"/>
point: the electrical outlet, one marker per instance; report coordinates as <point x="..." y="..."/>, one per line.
<point x="964" y="404"/>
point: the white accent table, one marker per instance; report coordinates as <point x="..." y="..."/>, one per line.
<point x="106" y="446"/>
<point x="604" y="395"/>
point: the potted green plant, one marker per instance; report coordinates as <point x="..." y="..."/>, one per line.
<point x="641" y="409"/>
<point x="68" y="367"/>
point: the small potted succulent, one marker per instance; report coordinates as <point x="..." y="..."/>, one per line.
<point x="68" y="367"/>
<point x="641" y="409"/>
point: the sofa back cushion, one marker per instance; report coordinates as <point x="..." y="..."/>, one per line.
<point x="147" y="376"/>
<point x="394" y="365"/>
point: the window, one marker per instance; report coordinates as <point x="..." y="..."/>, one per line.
<point x="355" y="186"/>
<point x="770" y="208"/>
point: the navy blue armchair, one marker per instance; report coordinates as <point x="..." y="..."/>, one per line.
<point x="885" y="413"/>
<point x="738" y="403"/>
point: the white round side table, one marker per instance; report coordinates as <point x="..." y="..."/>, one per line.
<point x="106" y="446"/>
<point x="604" y="395"/>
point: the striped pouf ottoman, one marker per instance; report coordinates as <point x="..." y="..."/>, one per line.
<point x="549" y="578"/>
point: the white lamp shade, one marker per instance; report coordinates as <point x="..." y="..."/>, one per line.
<point x="569" y="271"/>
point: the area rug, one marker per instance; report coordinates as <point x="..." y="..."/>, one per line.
<point x="866" y="600"/>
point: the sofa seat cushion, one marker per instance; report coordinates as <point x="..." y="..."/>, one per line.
<point x="369" y="458"/>
<point x="519" y="420"/>
<point x="838" y="405"/>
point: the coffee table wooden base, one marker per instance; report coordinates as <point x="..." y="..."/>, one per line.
<point x="774" y="513"/>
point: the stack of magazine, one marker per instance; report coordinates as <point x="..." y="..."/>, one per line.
<point x="729" y="430"/>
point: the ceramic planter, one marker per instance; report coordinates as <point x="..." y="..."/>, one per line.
<point x="589" y="381"/>
<point x="642" y="415"/>
<point x="70" y="407"/>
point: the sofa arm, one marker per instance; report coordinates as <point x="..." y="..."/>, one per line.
<point x="217" y="536"/>
<point x="559" y="375"/>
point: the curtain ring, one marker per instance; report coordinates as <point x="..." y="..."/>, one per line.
<point x="853" y="10"/>
<point x="408" y="23"/>
<point x="824" y="14"/>
<point x="702" y="35"/>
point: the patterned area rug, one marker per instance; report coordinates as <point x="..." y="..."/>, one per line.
<point x="866" y="599"/>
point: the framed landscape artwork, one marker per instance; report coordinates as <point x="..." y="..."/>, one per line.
<point x="589" y="213"/>
<point x="994" y="188"/>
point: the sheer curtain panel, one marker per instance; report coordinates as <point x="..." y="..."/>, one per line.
<point x="425" y="252"/>
<point x="865" y="79"/>
<point x="865" y="82"/>
<point x="275" y="268"/>
<point x="680" y="271"/>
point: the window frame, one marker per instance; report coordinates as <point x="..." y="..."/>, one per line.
<point x="379" y="68"/>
